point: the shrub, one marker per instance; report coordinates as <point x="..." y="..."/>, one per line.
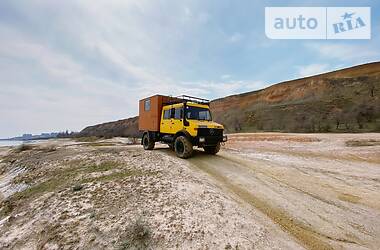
<point x="138" y="235"/>
<point x="134" y="141"/>
<point x="77" y="187"/>
<point x="24" y="147"/>
<point x="49" y="148"/>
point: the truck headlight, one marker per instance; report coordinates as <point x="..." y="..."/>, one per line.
<point x="202" y="139"/>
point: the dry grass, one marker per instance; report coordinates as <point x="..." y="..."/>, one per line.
<point x="270" y="137"/>
<point x="112" y="176"/>
<point x="87" y="139"/>
<point x="134" y="141"/>
<point x="349" y="198"/>
<point x="101" y="167"/>
<point x="362" y="143"/>
<point x="48" y="148"/>
<point x="66" y="177"/>
<point x="137" y="236"/>
<point x="23" y="147"/>
<point x="6" y="208"/>
<point x="102" y="144"/>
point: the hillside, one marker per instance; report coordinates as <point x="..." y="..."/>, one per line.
<point x="340" y="101"/>
<point x="346" y="100"/>
<point x="125" y="128"/>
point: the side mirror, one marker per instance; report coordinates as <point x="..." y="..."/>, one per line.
<point x="185" y="122"/>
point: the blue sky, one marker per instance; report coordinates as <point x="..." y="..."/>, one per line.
<point x="69" y="64"/>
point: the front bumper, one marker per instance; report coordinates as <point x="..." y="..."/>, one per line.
<point x="209" y="137"/>
<point x="211" y="140"/>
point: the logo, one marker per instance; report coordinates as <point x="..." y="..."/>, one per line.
<point x="318" y="22"/>
<point x="348" y="23"/>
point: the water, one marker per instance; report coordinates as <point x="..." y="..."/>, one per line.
<point x="10" y="143"/>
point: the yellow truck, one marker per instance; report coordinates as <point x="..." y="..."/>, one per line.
<point x="181" y="122"/>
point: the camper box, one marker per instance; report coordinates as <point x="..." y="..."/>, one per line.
<point x="150" y="112"/>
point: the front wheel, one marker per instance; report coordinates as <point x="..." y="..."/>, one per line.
<point x="213" y="150"/>
<point x="148" y="143"/>
<point x="183" y="147"/>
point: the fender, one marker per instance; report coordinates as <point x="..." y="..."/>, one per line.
<point x="184" y="133"/>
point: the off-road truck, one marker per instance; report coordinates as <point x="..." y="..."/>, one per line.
<point x="181" y="122"/>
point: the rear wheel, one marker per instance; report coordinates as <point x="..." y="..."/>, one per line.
<point x="148" y="143"/>
<point x="212" y="149"/>
<point x="183" y="147"/>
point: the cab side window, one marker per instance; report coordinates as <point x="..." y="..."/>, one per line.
<point x="178" y="113"/>
<point x="167" y="114"/>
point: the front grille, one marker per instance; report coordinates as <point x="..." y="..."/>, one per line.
<point x="210" y="132"/>
<point x="212" y="135"/>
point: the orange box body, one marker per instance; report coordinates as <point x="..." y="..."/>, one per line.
<point x="150" y="112"/>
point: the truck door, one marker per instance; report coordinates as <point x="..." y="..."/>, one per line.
<point x="177" y="121"/>
<point x="166" y="123"/>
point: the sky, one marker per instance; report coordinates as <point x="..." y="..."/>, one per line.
<point x="65" y="65"/>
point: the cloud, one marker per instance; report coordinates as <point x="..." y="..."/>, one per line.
<point x="90" y="63"/>
<point x="45" y="89"/>
<point x="236" y="37"/>
<point x="226" y="76"/>
<point x="218" y="89"/>
<point x="312" y="69"/>
<point x="345" y="52"/>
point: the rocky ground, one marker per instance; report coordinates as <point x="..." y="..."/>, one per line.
<point x="263" y="191"/>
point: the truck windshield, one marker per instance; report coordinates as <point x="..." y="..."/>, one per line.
<point x="197" y="113"/>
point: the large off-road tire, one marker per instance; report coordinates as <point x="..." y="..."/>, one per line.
<point x="213" y="150"/>
<point x="147" y="142"/>
<point x="183" y="147"/>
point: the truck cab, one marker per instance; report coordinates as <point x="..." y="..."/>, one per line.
<point x="186" y="122"/>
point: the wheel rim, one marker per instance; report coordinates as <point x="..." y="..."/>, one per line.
<point x="179" y="147"/>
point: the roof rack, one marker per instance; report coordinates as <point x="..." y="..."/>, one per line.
<point x="193" y="99"/>
<point x="186" y="98"/>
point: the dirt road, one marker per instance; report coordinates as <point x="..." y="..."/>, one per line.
<point x="323" y="193"/>
<point x="262" y="191"/>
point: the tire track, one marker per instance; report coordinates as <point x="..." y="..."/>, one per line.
<point x="306" y="235"/>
